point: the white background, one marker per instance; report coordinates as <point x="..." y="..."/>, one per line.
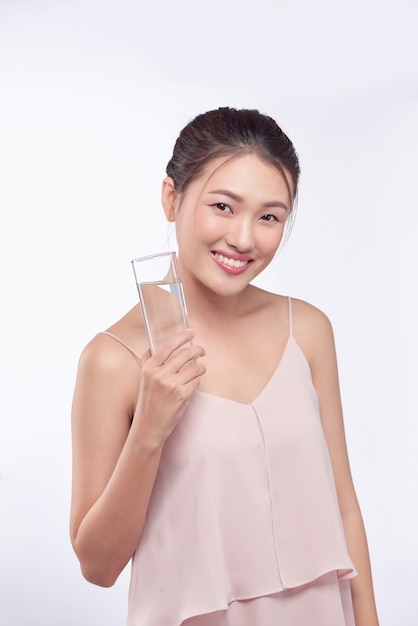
<point x="92" y="97"/>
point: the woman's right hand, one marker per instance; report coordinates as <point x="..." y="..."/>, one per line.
<point x="168" y="379"/>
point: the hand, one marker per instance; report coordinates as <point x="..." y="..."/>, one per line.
<point x="168" y="379"/>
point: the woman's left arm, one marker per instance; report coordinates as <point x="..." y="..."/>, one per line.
<point x="318" y="340"/>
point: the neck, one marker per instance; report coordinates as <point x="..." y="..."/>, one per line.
<point x="204" y="305"/>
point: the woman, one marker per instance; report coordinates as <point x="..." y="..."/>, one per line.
<point x="220" y="464"/>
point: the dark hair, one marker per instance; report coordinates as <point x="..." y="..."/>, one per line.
<point x="227" y="131"/>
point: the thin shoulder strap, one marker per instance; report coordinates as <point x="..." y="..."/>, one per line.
<point x="105" y="332"/>
<point x="289" y="299"/>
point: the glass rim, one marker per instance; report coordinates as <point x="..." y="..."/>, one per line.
<point x="153" y="256"/>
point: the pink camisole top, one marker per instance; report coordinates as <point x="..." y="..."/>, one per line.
<point x="244" y="503"/>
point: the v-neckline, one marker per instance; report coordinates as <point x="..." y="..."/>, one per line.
<point x="263" y="389"/>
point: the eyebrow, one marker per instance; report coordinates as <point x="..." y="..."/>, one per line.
<point x="237" y="198"/>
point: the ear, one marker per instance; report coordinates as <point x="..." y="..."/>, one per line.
<point x="168" y="199"/>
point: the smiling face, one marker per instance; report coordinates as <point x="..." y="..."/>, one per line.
<point x="229" y="222"/>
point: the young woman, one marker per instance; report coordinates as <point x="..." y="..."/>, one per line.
<point x="219" y="464"/>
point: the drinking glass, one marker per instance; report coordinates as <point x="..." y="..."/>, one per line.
<point x="161" y="296"/>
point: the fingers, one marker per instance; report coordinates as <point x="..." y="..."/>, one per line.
<point x="168" y="380"/>
<point x="163" y="354"/>
<point x="191" y="371"/>
<point x="176" y="362"/>
<point x="182" y="357"/>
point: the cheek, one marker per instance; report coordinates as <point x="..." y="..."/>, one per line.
<point x="270" y="241"/>
<point x="206" y="225"/>
<point x="197" y="227"/>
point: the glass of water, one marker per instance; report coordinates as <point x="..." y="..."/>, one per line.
<point x="161" y="296"/>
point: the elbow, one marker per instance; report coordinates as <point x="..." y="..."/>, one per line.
<point x="99" y="564"/>
<point x="100" y="576"/>
<point x="95" y="568"/>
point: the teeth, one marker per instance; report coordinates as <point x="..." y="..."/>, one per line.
<point x="230" y="262"/>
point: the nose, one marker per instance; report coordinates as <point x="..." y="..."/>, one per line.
<point x="241" y="235"/>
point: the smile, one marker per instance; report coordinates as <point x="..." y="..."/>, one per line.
<point x="230" y="262"/>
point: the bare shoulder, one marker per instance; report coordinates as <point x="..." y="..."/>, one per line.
<point x="312" y="329"/>
<point x="104" y="356"/>
<point x="308" y="317"/>
<point x="310" y="324"/>
<point x="104" y="353"/>
<point x="108" y="372"/>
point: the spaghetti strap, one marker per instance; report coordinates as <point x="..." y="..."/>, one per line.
<point x="105" y="332"/>
<point x="289" y="299"/>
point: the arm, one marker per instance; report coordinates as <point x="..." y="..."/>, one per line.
<point x="115" y="461"/>
<point x="317" y="339"/>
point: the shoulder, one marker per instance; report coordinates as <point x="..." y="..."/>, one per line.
<point x="312" y="330"/>
<point x="307" y="317"/>
<point x="107" y="378"/>
<point x="105" y="356"/>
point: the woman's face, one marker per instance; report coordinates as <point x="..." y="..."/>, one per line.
<point x="230" y="222"/>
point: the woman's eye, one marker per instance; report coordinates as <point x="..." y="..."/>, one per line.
<point x="223" y="207"/>
<point x="268" y="217"/>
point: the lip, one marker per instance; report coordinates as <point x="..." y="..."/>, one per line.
<point x="231" y="269"/>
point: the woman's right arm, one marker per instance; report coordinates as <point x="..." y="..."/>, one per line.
<point x="115" y="461"/>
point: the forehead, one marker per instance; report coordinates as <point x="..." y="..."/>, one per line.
<point x="244" y="168"/>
